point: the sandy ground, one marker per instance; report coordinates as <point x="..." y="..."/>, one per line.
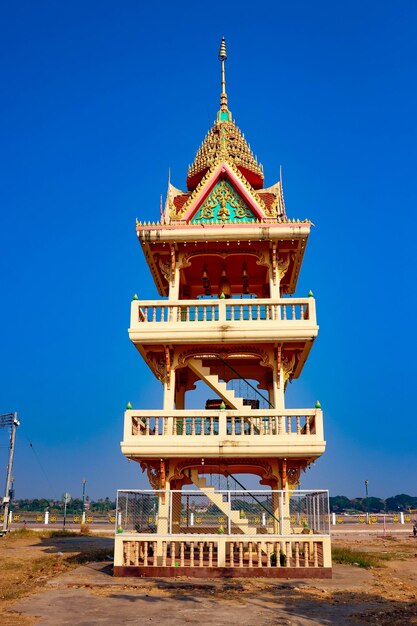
<point x="88" y="594"/>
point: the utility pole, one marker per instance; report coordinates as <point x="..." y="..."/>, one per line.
<point x="367" y="502"/>
<point x="83" y="516"/>
<point x="8" y="420"/>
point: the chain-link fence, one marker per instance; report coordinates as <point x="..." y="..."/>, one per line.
<point x="223" y="512"/>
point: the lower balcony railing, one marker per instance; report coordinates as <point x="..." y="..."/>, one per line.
<point x="209" y="528"/>
<point x="249" y="553"/>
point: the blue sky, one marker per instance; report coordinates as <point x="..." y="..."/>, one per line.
<point x="99" y="100"/>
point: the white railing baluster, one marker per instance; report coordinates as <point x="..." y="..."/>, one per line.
<point x="192" y="554"/>
<point x="172" y="553"/>
<point x="164" y="554"/>
<point x="259" y="554"/>
<point x="145" y="554"/>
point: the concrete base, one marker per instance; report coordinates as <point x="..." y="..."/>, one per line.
<point x="224" y="572"/>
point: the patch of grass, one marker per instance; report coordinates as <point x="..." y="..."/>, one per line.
<point x="47" y="534"/>
<point x="357" y="558"/>
<point x="24" y="575"/>
<point x="99" y="554"/>
<point x="21" y="533"/>
<point x="26" y="533"/>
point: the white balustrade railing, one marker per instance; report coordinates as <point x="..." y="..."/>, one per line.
<point x="219" y="310"/>
<point x="248" y="553"/>
<point x="207" y="423"/>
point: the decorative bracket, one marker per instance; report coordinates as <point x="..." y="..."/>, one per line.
<point x="173" y="265"/>
<point x="283" y="265"/>
<point x="274" y="263"/>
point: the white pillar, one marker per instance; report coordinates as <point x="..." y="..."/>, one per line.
<point x="169" y="392"/>
<point x="83" y="518"/>
<point x="278" y="392"/>
<point x="333" y="519"/>
<point x="174" y="289"/>
<point x="46" y="519"/>
<point x="401" y="517"/>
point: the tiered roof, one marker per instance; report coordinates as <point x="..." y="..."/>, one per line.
<point x="224" y="145"/>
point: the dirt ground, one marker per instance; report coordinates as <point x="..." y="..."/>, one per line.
<point x="54" y="581"/>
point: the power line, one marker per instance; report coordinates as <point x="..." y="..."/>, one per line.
<point x="46" y="476"/>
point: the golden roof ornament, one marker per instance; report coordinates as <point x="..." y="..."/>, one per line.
<point x="225" y="142"/>
<point x="222" y="58"/>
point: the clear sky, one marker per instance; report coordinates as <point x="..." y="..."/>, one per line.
<point x="98" y="100"/>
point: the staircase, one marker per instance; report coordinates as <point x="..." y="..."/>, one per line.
<point x="217" y="499"/>
<point x="219" y="387"/>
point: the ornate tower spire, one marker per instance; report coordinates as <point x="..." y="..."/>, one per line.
<point x="222" y="58"/>
<point x="225" y="141"/>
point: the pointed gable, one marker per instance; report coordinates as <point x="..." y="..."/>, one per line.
<point x="223" y="204"/>
<point x="223" y="196"/>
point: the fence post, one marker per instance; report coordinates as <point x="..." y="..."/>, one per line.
<point x="281" y="513"/>
<point x="170" y="514"/>
<point x="333" y="519"/>
<point x="46" y="518"/>
<point x="401" y="517"/>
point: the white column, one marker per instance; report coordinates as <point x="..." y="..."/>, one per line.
<point x="46" y="518"/>
<point x="401" y="517"/>
<point x="333" y="519"/>
<point x="278" y="392"/>
<point x="174" y="289"/>
<point x="169" y="392"/>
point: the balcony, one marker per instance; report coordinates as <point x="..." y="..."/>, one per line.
<point x="217" y="533"/>
<point x="191" y="321"/>
<point x="203" y="433"/>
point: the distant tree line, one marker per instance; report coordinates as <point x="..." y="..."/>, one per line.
<point x="57" y="506"/>
<point x="338" y="504"/>
<point x="401" y="502"/>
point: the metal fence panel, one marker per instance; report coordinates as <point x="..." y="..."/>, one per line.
<point x="215" y="511"/>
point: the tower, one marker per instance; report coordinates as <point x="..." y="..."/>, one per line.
<point x="225" y="259"/>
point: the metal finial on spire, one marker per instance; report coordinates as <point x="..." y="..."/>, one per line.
<point x="222" y="58"/>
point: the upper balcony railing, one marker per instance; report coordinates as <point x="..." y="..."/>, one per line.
<point x="293" y="316"/>
<point x="293" y="310"/>
<point x="270" y="430"/>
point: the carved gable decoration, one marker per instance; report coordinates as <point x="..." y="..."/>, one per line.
<point x="223" y="204"/>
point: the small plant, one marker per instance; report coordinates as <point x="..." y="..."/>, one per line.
<point x="282" y="559"/>
<point x="85" y="529"/>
